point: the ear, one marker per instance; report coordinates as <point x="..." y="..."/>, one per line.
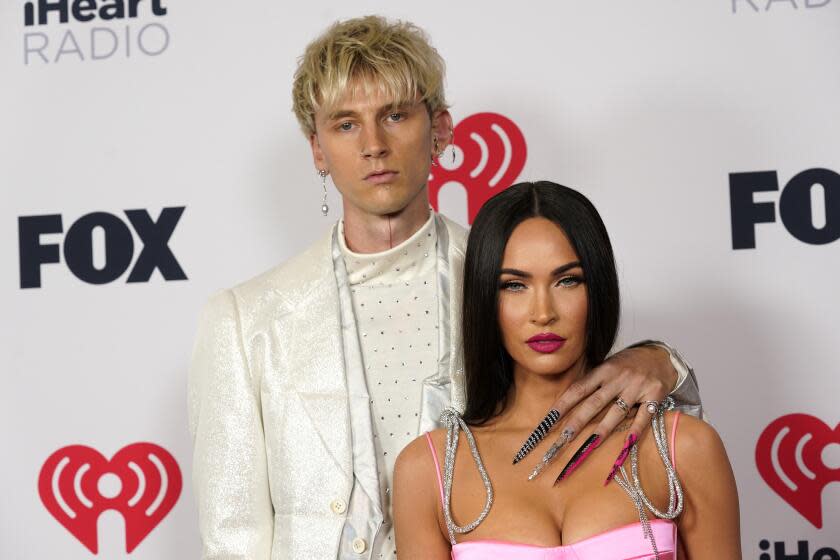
<point x="317" y="153"/>
<point x="442" y="129"/>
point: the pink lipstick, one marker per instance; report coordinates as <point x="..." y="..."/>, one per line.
<point x="546" y="343"/>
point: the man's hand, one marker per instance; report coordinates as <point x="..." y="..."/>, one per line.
<point x="636" y="375"/>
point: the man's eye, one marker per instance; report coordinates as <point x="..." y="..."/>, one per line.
<point x="345" y="126"/>
<point x="396" y="117"/>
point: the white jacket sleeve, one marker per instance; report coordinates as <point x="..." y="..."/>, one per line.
<point x="230" y="473"/>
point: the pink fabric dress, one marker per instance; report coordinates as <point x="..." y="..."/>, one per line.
<point x="624" y="543"/>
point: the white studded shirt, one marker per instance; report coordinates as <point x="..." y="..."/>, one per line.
<point x="394" y="296"/>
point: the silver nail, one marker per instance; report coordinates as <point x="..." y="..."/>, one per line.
<point x="565" y="437"/>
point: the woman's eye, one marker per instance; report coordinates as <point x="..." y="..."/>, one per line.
<point x="513" y="286"/>
<point x="570" y="281"/>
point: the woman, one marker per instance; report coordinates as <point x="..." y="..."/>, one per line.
<point x="540" y="310"/>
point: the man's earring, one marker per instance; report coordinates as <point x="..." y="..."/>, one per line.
<point x="437" y="154"/>
<point x="324" y="208"/>
<point x="452" y="143"/>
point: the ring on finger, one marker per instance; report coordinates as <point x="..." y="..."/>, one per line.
<point x="651" y="406"/>
<point x="619" y="402"/>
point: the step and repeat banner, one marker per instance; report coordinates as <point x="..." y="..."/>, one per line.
<point x="149" y="157"/>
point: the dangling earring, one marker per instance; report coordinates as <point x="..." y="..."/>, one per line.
<point x="434" y="139"/>
<point x="324" y="208"/>
<point x="452" y="143"/>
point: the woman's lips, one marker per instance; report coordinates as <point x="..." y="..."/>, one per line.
<point x="381" y="178"/>
<point x="546" y="343"/>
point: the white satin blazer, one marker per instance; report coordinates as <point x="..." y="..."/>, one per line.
<point x="269" y="409"/>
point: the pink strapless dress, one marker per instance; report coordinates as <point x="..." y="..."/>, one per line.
<point x="623" y="543"/>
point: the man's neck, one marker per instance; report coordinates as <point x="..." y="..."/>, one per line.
<point x="366" y="233"/>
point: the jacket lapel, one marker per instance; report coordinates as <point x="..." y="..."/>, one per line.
<point x="457" y="246"/>
<point x="444" y="388"/>
<point x="316" y="356"/>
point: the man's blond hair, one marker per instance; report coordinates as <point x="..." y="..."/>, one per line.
<point x="395" y="57"/>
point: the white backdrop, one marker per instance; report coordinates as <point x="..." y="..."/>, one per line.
<point x="647" y="107"/>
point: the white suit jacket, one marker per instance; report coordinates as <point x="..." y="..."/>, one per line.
<point x="269" y="408"/>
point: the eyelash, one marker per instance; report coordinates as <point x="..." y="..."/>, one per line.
<point x="510" y="284"/>
<point x="575" y="278"/>
<point x="340" y="126"/>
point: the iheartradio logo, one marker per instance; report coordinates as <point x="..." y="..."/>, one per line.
<point x="490" y="152"/>
<point x="142" y="482"/>
<point x="792" y="455"/>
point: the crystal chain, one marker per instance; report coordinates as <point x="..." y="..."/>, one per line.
<point x="634" y="488"/>
<point x="453" y="423"/>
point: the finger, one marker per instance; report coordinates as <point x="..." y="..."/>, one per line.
<point x="609" y="423"/>
<point x="589" y="388"/>
<point x="573" y="395"/>
<point x="642" y="420"/>
<point x="537" y="435"/>
<point x="589" y="445"/>
<point x="593" y="405"/>
<point x="616" y="414"/>
<point x="576" y="392"/>
<point x="629" y="442"/>
<point x="639" y="424"/>
<point x="566" y="436"/>
<point x="617" y="411"/>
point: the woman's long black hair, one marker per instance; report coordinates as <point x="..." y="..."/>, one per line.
<point x="487" y="365"/>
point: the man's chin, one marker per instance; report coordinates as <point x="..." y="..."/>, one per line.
<point x="385" y="208"/>
<point x="388" y="201"/>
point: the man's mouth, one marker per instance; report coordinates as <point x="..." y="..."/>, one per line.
<point x="381" y="177"/>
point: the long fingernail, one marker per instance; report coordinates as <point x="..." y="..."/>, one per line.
<point x="625" y="451"/>
<point x="591" y="443"/>
<point x="564" y="438"/>
<point x="537" y="435"/>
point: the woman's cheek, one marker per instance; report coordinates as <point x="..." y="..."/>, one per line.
<point x="508" y="321"/>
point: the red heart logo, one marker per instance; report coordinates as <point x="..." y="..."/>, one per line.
<point x="789" y="457"/>
<point x="149" y="485"/>
<point x="493" y="153"/>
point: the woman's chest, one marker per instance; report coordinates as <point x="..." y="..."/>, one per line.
<point x="545" y="512"/>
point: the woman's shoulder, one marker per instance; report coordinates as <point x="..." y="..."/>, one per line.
<point x="692" y="434"/>
<point x="416" y="457"/>
<point x="697" y="445"/>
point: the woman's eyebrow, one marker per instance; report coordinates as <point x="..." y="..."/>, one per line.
<point x="557" y="271"/>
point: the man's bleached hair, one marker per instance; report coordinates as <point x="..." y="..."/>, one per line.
<point x="367" y="53"/>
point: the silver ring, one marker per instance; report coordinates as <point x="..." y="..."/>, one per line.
<point x="652" y="406"/>
<point x="619" y="402"/>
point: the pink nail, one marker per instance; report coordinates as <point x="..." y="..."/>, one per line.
<point x="625" y="451"/>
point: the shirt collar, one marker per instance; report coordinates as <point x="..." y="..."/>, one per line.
<point x="401" y="262"/>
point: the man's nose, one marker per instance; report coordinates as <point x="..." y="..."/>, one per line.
<point x="374" y="144"/>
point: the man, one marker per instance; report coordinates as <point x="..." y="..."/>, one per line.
<point x="308" y="380"/>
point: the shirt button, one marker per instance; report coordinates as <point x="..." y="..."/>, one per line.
<point x="338" y="506"/>
<point x="359" y="545"/>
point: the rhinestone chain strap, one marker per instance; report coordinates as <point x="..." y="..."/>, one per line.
<point x="634" y="488"/>
<point x="453" y="423"/>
